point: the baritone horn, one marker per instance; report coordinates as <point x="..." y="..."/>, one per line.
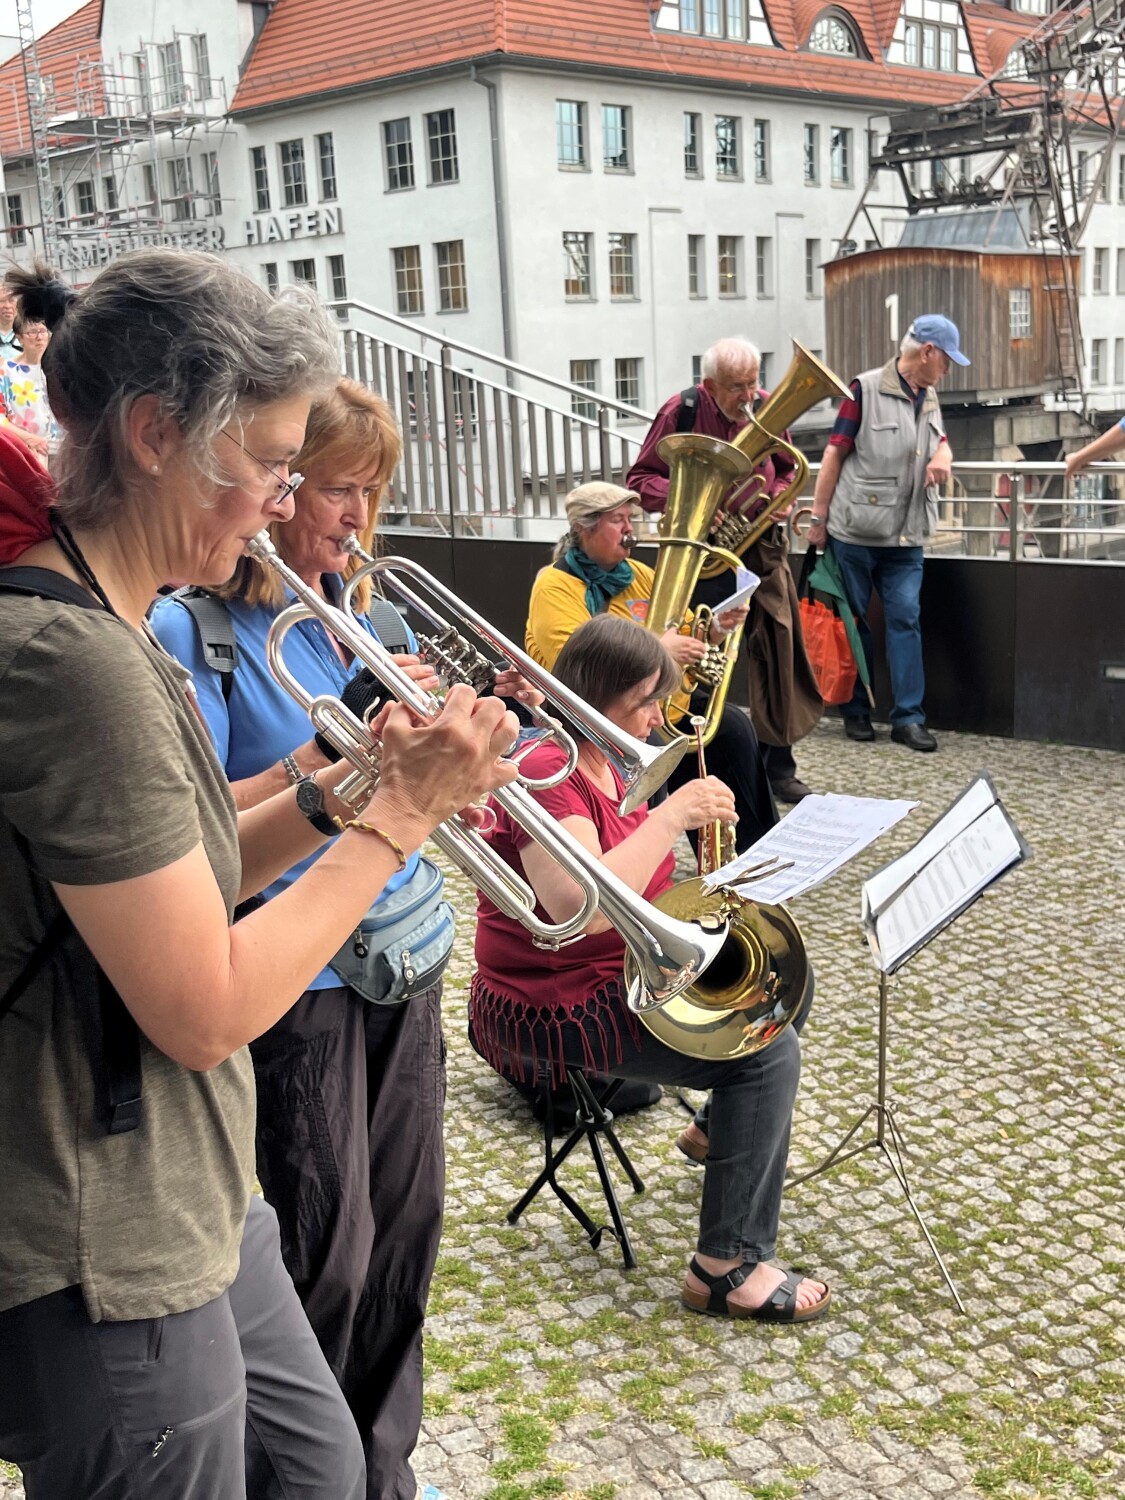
<point x="805" y="382"/>
<point x="758" y="984"/>
<point x="700" y="471"/>
<point x="643" y="768"/>
<point x="667" y="953"/>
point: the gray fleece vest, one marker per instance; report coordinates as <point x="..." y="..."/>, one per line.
<point x="881" y="499"/>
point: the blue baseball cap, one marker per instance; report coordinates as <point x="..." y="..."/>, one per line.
<point x="939" y="331"/>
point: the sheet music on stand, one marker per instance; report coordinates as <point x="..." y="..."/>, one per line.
<point x="911" y="900"/>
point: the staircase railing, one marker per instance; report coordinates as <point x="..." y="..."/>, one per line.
<point x="491" y="447"/>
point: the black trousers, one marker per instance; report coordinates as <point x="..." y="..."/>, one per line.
<point x="350" y="1155"/>
<point x="734" y="756"/>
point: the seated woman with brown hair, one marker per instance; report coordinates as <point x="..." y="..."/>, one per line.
<point x="534" y="1010"/>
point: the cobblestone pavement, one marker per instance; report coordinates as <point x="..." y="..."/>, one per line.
<point x="552" y="1372"/>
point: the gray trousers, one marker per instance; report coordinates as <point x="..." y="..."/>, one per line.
<point x="231" y="1401"/>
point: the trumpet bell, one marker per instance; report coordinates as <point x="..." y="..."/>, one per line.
<point x="749" y="993"/>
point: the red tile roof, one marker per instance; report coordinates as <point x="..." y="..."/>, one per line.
<point x="994" y="31"/>
<point x="311" y="47"/>
<point x="61" y="52"/>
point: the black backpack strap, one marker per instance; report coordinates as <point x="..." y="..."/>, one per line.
<point x="42" y="583"/>
<point x="689" y="405"/>
<point x="216" y="633"/>
<point x="117" y="1064"/>
<point x="389" y="625"/>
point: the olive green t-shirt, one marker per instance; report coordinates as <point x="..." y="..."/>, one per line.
<point x="108" y="773"/>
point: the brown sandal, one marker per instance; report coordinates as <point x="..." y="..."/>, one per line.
<point x="779" y="1307"/>
<point x="691" y="1148"/>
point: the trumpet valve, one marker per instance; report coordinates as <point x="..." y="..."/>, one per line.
<point x="709" y="670"/>
<point x="454" y="659"/>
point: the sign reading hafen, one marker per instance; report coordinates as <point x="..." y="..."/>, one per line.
<point x="88" y="254"/>
<point x="299" y="224"/>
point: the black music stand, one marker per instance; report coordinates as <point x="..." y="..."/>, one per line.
<point x="902" y="881"/>
<point x="593" y="1119"/>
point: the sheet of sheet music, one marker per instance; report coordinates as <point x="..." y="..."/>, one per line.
<point x="969" y="862"/>
<point x="819" y="836"/>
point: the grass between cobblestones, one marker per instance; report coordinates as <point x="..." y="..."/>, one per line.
<point x="550" y="1372"/>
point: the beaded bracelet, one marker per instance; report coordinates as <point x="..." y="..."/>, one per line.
<point x="392" y="843"/>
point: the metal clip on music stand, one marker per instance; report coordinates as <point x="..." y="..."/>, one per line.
<point x="887" y="1139"/>
<point x="593" y="1119"/>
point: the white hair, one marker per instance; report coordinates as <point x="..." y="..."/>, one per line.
<point x="729" y="354"/>
<point x="910" y="345"/>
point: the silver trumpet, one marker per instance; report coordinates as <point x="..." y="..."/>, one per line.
<point x="668" y="954"/>
<point x="643" y="768"/>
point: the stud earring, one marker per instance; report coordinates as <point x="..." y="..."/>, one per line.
<point x="156" y="468"/>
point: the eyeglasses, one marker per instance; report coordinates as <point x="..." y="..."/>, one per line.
<point x="287" y="486"/>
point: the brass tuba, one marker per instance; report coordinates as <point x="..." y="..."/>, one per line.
<point x="804" y="383"/>
<point x="757" y="985"/>
<point x="700" y="471"/>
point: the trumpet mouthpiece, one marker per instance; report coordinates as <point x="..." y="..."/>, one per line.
<point x="629" y="541"/>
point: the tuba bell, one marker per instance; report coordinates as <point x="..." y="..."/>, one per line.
<point x="805" y="382"/>
<point x="759" y="982"/>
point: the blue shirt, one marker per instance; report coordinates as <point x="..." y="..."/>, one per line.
<point x="261" y="723"/>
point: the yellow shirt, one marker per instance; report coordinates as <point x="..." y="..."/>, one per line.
<point x="558" y="608"/>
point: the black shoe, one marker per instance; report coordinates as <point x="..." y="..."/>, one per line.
<point x="858" y="727"/>
<point x="916" y="736"/>
<point x="790" y="789"/>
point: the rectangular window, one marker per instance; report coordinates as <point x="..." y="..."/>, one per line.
<point x="570" y="134"/>
<point x="696" y="284"/>
<point x="62" y="213"/>
<point x="930" y="46"/>
<point x="735" y="18"/>
<point x="697" y="369"/>
<point x="689" y="15"/>
<point x="171" y="74"/>
<point x="577" y="275"/>
<point x="408" y="279"/>
<point x="86" y="205"/>
<point x="260" y="173"/>
<point x="1099" y="271"/>
<point x="1081" y="162"/>
<point x="398" y="154"/>
<point x="693" y="125"/>
<point x="627" y="380"/>
<point x="726" y="146"/>
<point x="294" y="184"/>
<point x="152" y="197"/>
<point x="17" y="234"/>
<point x="271" y="278"/>
<point x="584" y="372"/>
<point x="763" y="266"/>
<point x="1121" y="178"/>
<point x="616" y="146"/>
<point x="812" y="153"/>
<point x="812" y="268"/>
<point x="730" y="265"/>
<point x="912" y="45"/>
<point x="303" y="273"/>
<point x="453" y="294"/>
<point x="326" y="166"/>
<point x="764" y="370"/>
<point x="441" y="139"/>
<point x="1019" y="312"/>
<point x="1119" y="362"/>
<point x="761" y="150"/>
<point x="338" y="283"/>
<point x="1121" y="273"/>
<point x="841" y="155"/>
<point x="211" y="186"/>
<point x="109" y="193"/>
<point x="947" y="50"/>
<point x="622" y="265"/>
<point x="180" y="188"/>
<point x="201" y="67"/>
<point x="1097" y="362"/>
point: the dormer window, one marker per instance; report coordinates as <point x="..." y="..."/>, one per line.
<point x="831" y="33"/>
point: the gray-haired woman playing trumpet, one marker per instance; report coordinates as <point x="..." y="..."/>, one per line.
<point x="151" y="1341"/>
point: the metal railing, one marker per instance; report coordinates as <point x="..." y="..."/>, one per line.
<point x="491" y="448"/>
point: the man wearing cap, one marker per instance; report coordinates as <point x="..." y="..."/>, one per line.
<point x="875" y="504"/>
<point x="591" y="574"/>
<point x="785" y="703"/>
